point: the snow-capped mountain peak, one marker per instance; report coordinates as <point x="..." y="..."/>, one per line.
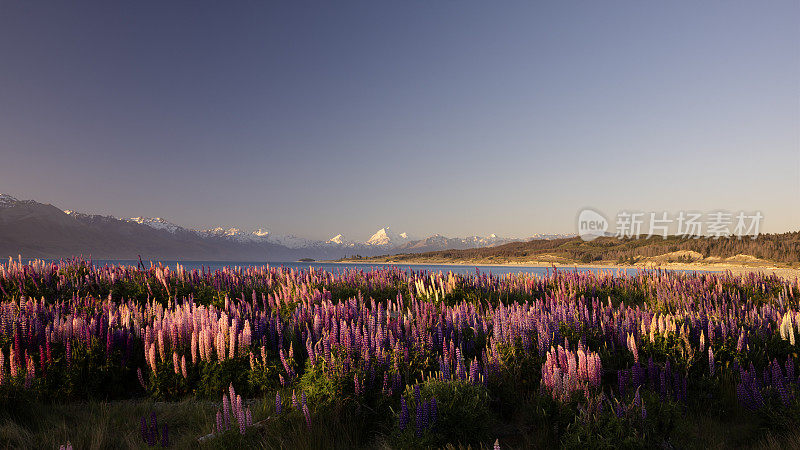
<point x="231" y="233"/>
<point x="152" y="222"/>
<point x="387" y="238"/>
<point x="7" y="200"/>
<point x="338" y="239"/>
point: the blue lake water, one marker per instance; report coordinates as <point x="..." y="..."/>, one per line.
<point x="334" y="267"/>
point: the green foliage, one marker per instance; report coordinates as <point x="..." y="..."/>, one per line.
<point x="463" y="415"/>
<point x="216" y="377"/>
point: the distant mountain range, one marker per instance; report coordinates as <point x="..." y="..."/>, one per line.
<point x="37" y="230"/>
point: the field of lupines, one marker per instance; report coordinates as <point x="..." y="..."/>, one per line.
<point x="408" y="359"/>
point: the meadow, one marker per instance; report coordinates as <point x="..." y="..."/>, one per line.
<point x="144" y="356"/>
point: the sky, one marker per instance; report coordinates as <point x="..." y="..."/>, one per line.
<point x="460" y="118"/>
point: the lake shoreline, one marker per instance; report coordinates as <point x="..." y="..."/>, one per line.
<point x="783" y="272"/>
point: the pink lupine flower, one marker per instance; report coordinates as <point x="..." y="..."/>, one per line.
<point x="711" y="360"/>
<point x="13" y="362"/>
<point x="175" y="363"/>
<point x="193" y="347"/>
<point x="226" y="410"/>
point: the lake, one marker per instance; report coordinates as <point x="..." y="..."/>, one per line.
<point x="334" y="267"/>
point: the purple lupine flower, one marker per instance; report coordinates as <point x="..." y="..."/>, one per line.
<point x="434" y="411"/>
<point x="420" y="420"/>
<point x="278" y="406"/>
<point x="153" y="436"/>
<point x="307" y="415"/>
<point x="403" y="414"/>
<point x="426" y="414"/>
<point x="143" y="429"/>
<point x="778" y="381"/>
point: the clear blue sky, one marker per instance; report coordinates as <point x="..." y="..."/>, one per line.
<point x="453" y="117"/>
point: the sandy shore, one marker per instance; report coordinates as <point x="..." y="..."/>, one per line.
<point x="783" y="272"/>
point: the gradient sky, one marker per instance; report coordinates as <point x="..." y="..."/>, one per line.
<point x="459" y="118"/>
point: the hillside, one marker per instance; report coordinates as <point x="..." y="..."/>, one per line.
<point x="773" y="249"/>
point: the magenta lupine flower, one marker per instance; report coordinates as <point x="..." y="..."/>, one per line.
<point x="220" y="422"/>
<point x="241" y="420"/>
<point x="231" y="392"/>
<point x="473" y="371"/>
<point x="226" y="411"/>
